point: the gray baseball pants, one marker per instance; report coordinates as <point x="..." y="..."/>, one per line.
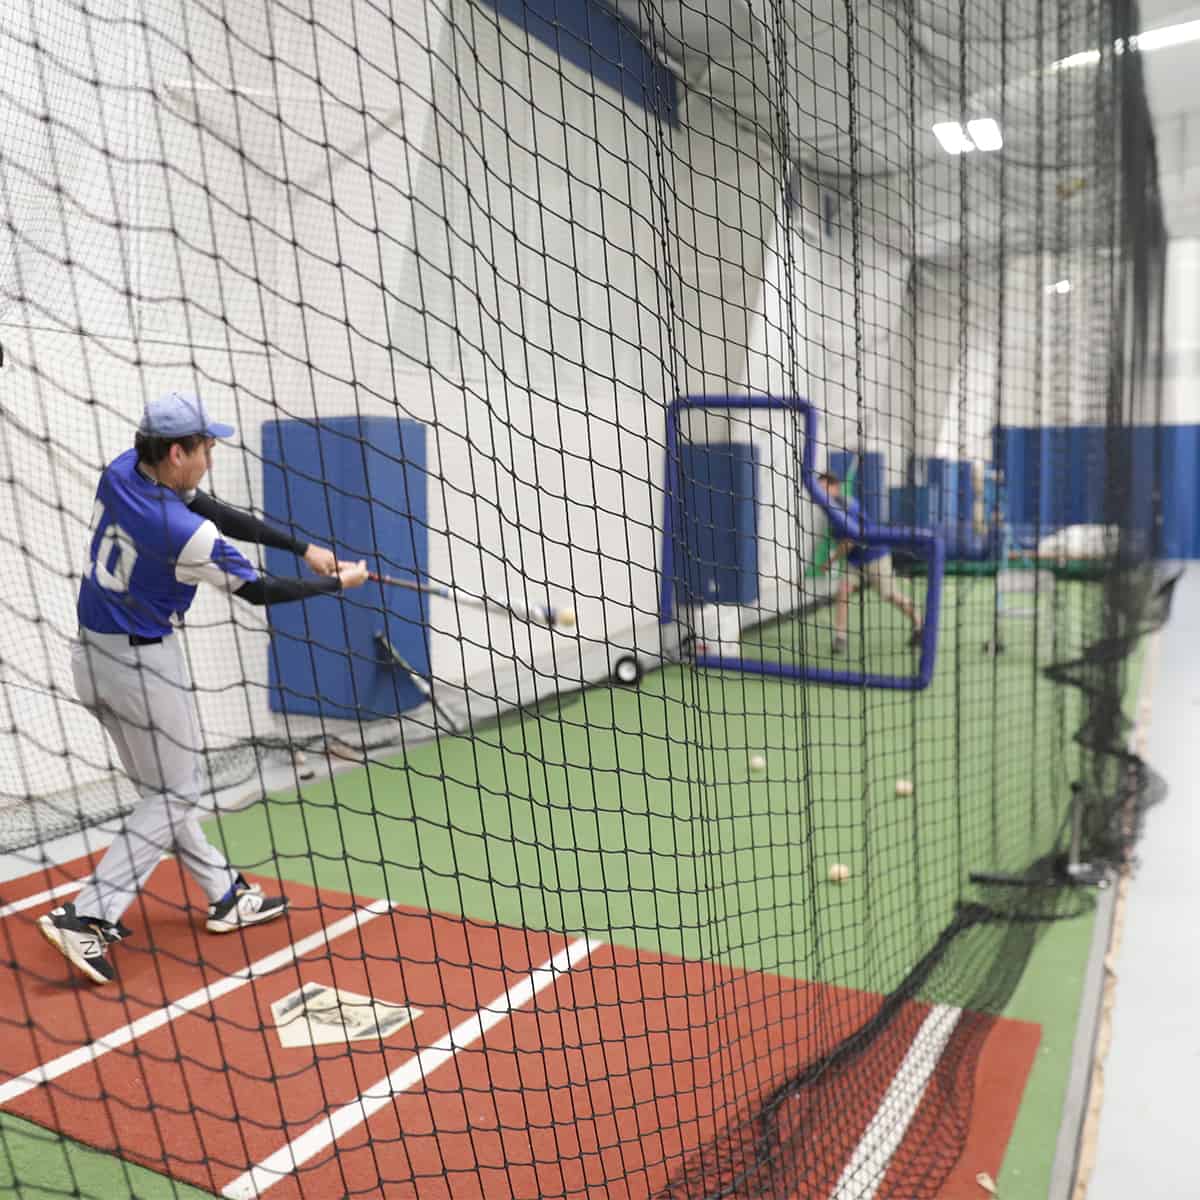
<point x="142" y="695"/>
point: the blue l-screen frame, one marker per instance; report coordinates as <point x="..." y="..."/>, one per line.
<point x="923" y="542"/>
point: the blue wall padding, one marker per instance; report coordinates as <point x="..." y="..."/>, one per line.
<point x="951" y="493"/>
<point x="943" y="498"/>
<point x="868" y="488"/>
<point x="1175" y="539"/>
<point x="966" y="496"/>
<point x="910" y="506"/>
<point x="992" y="494"/>
<point x="357" y="485"/>
<point x="1089" y="475"/>
<point x="840" y="463"/>
<point x="946" y="502"/>
<point x="716" y="523"/>
<point x="1179" y="463"/>
<point x="1054" y="476"/>
<point x="592" y="36"/>
<point x="873" y="492"/>
<point x="965" y="542"/>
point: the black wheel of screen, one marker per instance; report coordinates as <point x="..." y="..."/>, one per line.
<point x="627" y="671"/>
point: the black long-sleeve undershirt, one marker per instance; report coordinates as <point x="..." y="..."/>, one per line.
<point x="272" y="589"/>
<point x="246" y="527"/>
<point x="266" y="589"/>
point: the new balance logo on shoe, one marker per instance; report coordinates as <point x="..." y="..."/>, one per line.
<point x="82" y="941"/>
<point x="244" y="905"/>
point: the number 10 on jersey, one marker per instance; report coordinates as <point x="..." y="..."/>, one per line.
<point x="112" y="553"/>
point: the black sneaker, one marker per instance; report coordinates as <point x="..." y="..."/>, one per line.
<point x="246" y="905"/>
<point x="918" y="636"/>
<point x="82" y="941"/>
<point x="839" y="644"/>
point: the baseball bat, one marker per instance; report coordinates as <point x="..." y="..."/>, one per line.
<point x="553" y="618"/>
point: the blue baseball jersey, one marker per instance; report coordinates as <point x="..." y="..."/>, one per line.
<point x="147" y="553"/>
<point x="846" y="523"/>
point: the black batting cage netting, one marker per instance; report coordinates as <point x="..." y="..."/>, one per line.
<point x="747" y="420"/>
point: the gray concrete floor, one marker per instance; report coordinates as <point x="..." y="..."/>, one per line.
<point x="1148" y="1124"/>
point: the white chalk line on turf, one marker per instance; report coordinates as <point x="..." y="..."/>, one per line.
<point x="54" y="893"/>
<point x="413" y="1071"/>
<point x="200" y="998"/>
<point x="862" y="1175"/>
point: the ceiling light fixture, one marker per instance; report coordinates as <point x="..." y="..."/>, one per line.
<point x="1167" y="36"/>
<point x="1085" y="58"/>
<point x="1162" y="38"/>
<point x="980" y="134"/>
<point x="985" y="133"/>
<point x="951" y="137"/>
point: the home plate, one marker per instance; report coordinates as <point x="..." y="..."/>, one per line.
<point x="320" y="1015"/>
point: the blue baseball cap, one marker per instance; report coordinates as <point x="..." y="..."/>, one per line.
<point x="180" y="414"/>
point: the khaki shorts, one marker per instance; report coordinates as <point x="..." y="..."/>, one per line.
<point x="877" y="574"/>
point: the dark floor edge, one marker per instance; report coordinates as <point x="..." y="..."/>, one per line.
<point x="1083" y="1053"/>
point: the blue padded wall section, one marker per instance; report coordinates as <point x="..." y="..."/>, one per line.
<point x="840" y="462"/>
<point x="872" y="492"/>
<point x="1054" y="476"/>
<point x="910" y="505"/>
<point x="1087" y="475"/>
<point x="946" y="502"/>
<point x="716" y="538"/>
<point x="1146" y="480"/>
<point x="941" y="476"/>
<point x="966" y="494"/>
<point x="356" y="484"/>
<point x="868" y="487"/>
<point x="1179" y="458"/>
<point x="592" y="36"/>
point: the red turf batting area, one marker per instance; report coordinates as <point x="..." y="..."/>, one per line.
<point x="600" y="1080"/>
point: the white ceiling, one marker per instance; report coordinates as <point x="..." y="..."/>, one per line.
<point x="728" y="50"/>
<point x="1171" y="83"/>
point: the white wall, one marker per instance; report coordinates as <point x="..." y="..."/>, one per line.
<point x="1052" y="348"/>
<point x="164" y="279"/>
<point x="1181" y="334"/>
<point x="839" y="334"/>
<point x="451" y="225"/>
<point x="513" y="254"/>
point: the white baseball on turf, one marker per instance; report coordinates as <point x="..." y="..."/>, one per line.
<point x="758" y="762"/>
<point x="904" y="787"/>
<point x="839" y="873"/>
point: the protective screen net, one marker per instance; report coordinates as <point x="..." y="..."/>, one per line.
<point x="750" y="417"/>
